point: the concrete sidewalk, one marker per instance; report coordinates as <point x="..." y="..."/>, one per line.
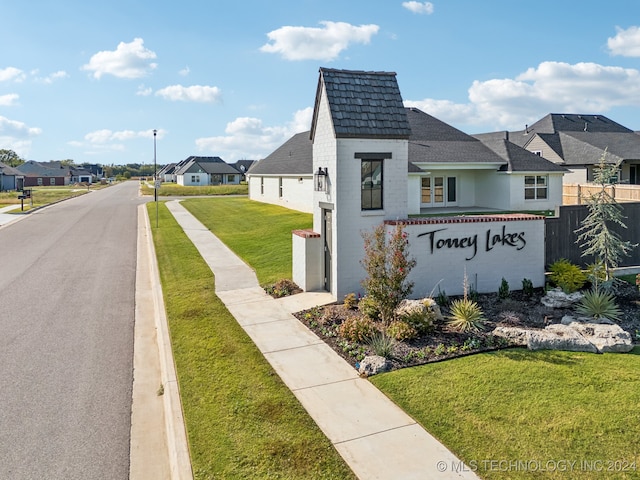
<point x="374" y="436"/>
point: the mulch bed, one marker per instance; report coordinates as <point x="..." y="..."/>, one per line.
<point x="443" y="343"/>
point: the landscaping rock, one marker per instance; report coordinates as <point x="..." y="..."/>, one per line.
<point x="559" y="337"/>
<point x="515" y="335"/>
<point x="373" y="364"/>
<point x="556" y="298"/>
<point x="606" y="336"/>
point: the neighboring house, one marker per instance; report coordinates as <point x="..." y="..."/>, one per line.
<point x="200" y="171"/>
<point x="578" y="142"/>
<point x="10" y="178"/>
<point x="80" y="175"/>
<point x="243" y="167"/>
<point x="168" y="173"/>
<point x="96" y="170"/>
<point x="446" y="168"/>
<point x="285" y="177"/>
<point x="44" y="174"/>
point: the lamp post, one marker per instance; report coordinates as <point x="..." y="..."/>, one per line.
<point x="155" y="175"/>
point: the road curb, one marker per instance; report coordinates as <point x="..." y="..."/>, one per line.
<point x="179" y="460"/>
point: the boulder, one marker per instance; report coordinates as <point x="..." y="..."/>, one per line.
<point x="515" y="335"/>
<point x="605" y="337"/>
<point x="556" y="298"/>
<point x="559" y="337"/>
<point x="370" y="365"/>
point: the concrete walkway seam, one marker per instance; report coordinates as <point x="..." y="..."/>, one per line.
<point x="179" y="459"/>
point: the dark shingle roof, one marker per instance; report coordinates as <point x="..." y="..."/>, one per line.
<point x="520" y="160"/>
<point x="9" y="171"/>
<point x="213" y="165"/>
<point x="580" y="148"/>
<point x="294" y="157"/>
<point x="243" y="165"/>
<point x="363" y="104"/>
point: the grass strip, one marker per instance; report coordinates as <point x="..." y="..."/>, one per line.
<point x="259" y="233"/>
<point x="537" y="408"/>
<point x="242" y="421"/>
<point x="174" y="190"/>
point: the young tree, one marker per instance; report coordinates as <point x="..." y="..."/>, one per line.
<point x="10" y="158"/>
<point x="387" y="264"/>
<point x="595" y="233"/>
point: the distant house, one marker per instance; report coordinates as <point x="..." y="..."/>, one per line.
<point x="38" y="174"/>
<point x="200" y="171"/>
<point x="578" y="142"/>
<point x="80" y="175"/>
<point x="168" y="173"/>
<point x="10" y="178"/>
<point x="96" y="170"/>
<point x="243" y="167"/>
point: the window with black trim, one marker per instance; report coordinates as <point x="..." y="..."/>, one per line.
<point x="535" y="187"/>
<point x="371" y="185"/>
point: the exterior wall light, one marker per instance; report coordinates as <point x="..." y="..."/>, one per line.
<point x="320" y="180"/>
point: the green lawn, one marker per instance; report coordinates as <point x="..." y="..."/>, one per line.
<point x="242" y="421"/>
<point x="42" y="196"/>
<point x="518" y="405"/>
<point x="172" y="189"/>
<point x="258" y="233"/>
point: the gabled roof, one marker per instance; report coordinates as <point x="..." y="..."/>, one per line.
<point x="9" y="171"/>
<point x="362" y="104"/>
<point x="31" y="168"/>
<point x="580" y="148"/>
<point x="520" y="160"/>
<point x="211" y="165"/>
<point x="243" y="166"/>
<point x="294" y="157"/>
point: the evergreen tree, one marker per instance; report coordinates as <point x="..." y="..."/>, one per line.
<point x="595" y="233"/>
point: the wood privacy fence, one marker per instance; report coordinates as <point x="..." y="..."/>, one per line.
<point x="560" y="236"/>
<point x="578" y="193"/>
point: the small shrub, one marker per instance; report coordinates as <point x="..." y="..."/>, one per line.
<point x="599" y="304"/>
<point x="401" y="331"/>
<point x="369" y="308"/>
<point x="351" y="301"/>
<point x="357" y="329"/>
<point x="567" y="276"/>
<point x="382" y="344"/>
<point x="503" y="291"/>
<point x="442" y="299"/>
<point x="440" y="349"/>
<point x="466" y="316"/>
<point x="282" y="288"/>
<point x="416" y="314"/>
<point x="527" y="287"/>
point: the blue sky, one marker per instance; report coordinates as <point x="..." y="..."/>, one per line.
<point x="89" y="81"/>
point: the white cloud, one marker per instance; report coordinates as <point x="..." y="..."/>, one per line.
<point x="194" y="93"/>
<point x="106" y="135"/>
<point x="129" y="60"/>
<point x="419" y="7"/>
<point x="49" y="79"/>
<point x="9" y="100"/>
<point x="184" y="72"/>
<point x="626" y="42"/>
<point x="550" y="87"/>
<point x="144" y="91"/>
<point x="16" y="136"/>
<point x="310" y="43"/>
<point x="248" y="137"/>
<point x="12" y="73"/>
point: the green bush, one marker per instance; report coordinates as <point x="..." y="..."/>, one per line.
<point x="401" y="330"/>
<point x="351" y="301"/>
<point x="369" y="307"/>
<point x="416" y="314"/>
<point x="282" y="288"/>
<point x="527" y="287"/>
<point x="357" y="329"/>
<point x="567" y="276"/>
<point x="599" y="304"/>
<point x="382" y="344"/>
<point x="503" y="291"/>
<point x="466" y="316"/>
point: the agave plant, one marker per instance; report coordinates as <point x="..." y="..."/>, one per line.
<point x="466" y="315"/>
<point x="597" y="303"/>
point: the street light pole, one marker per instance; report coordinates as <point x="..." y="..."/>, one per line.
<point x="155" y="175"/>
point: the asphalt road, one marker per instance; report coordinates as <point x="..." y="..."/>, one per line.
<point x="67" y="290"/>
